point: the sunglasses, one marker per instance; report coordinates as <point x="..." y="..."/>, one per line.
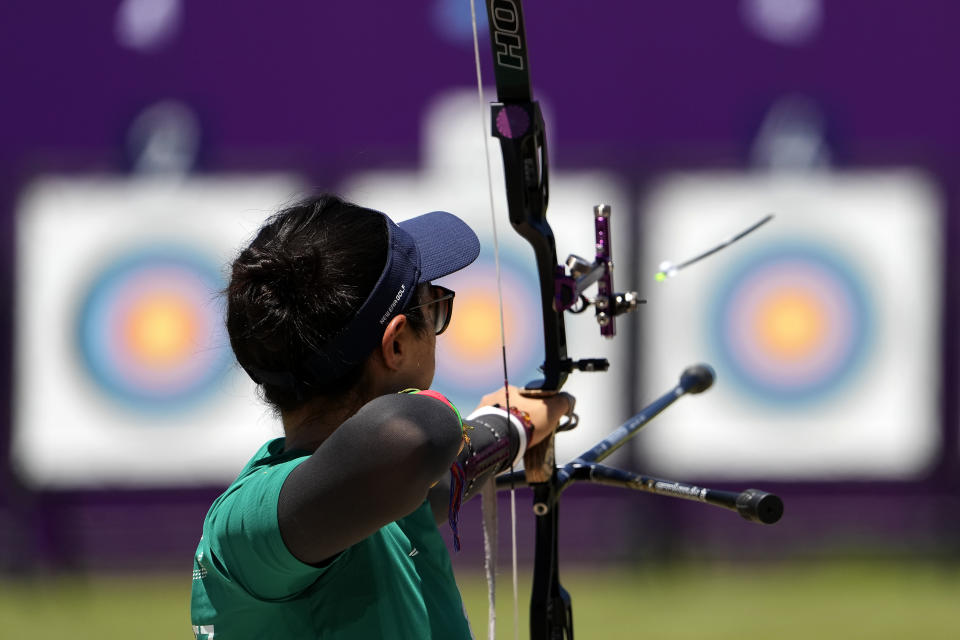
<point x="441" y="318"/>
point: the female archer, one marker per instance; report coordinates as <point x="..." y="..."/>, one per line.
<point x="332" y="530"/>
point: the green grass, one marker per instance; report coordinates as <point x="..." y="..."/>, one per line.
<point x="102" y="607"/>
<point x="849" y="600"/>
<point x="896" y="600"/>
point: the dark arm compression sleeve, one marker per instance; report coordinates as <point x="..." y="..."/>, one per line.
<point x="374" y="469"/>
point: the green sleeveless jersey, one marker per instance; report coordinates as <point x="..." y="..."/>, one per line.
<point x="396" y="584"/>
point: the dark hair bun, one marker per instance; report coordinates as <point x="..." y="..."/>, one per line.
<point x="298" y="283"/>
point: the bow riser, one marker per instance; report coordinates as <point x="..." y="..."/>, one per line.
<point x="520" y="129"/>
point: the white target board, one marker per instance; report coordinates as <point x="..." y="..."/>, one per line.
<point x="823" y="325"/>
<point x="123" y="371"/>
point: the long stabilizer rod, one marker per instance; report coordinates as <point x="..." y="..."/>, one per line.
<point x="695" y="379"/>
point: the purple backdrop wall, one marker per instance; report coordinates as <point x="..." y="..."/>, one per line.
<point x="327" y="88"/>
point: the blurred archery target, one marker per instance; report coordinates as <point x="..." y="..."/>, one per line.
<point x="822" y="326"/>
<point x="147" y="326"/>
<point x="791" y="324"/>
<point x="123" y="372"/>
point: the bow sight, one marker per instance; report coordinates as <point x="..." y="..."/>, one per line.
<point x="572" y="281"/>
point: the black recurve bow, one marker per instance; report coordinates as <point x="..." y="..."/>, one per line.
<point x="518" y="123"/>
<point x="516" y="120"/>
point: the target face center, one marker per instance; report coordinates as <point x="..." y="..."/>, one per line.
<point x="790" y="324"/>
<point x="161" y="330"/>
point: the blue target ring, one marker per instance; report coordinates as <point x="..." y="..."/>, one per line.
<point x="792" y="324"/>
<point x="149" y="331"/>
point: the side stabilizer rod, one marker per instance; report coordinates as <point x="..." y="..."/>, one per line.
<point x="754" y="505"/>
